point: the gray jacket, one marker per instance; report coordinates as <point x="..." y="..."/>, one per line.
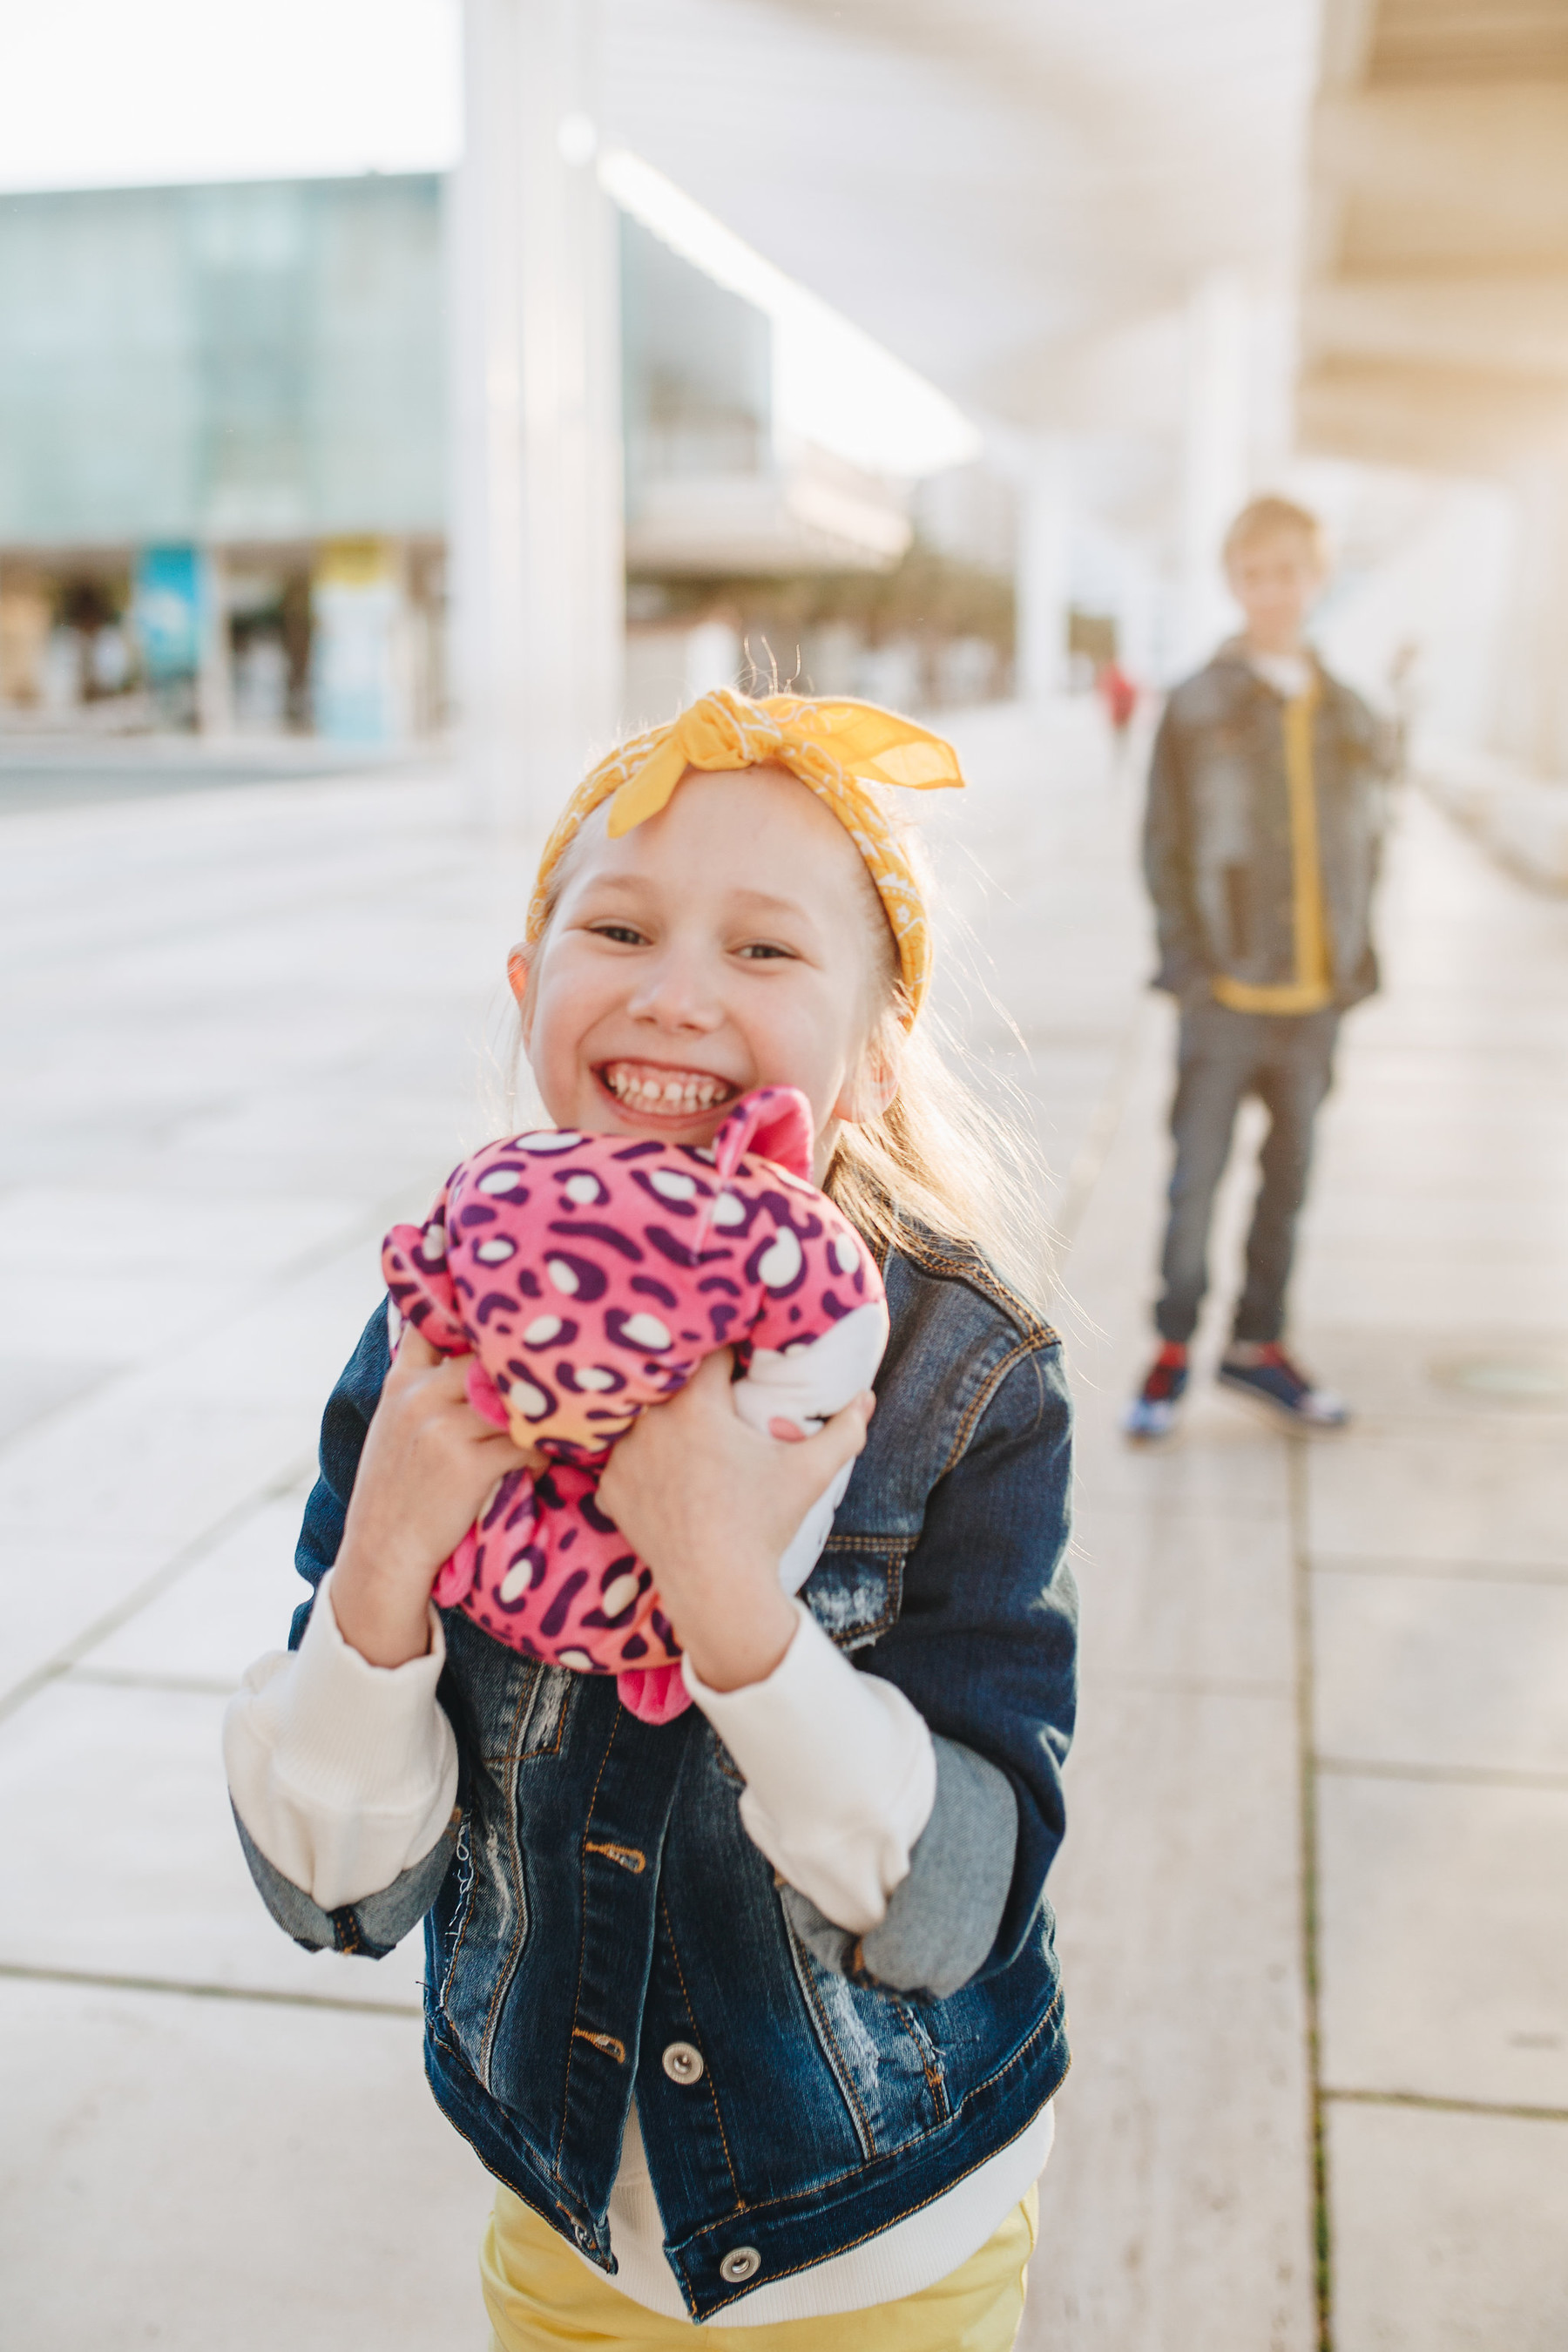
<point x="1216" y="839"/>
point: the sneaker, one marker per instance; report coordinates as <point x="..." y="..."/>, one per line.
<point x="1153" y="1412"/>
<point x="1266" y="1378"/>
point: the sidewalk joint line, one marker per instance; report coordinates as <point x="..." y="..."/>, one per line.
<point x="1433" y="2102"/>
<point x="20" y="1972"/>
<point x="1301" y="1580"/>
<point x="1473" y="1776"/>
<point x="149" y="1588"/>
<point x="1445" y="1571"/>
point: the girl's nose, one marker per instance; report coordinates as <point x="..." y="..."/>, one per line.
<point x="678" y="993"/>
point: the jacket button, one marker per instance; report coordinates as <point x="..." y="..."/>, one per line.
<point x="683" y="2061"/>
<point x="740" y="2263"/>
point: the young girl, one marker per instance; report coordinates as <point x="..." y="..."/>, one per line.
<point x="754" y="2015"/>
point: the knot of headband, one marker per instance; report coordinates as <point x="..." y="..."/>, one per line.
<point x="840" y="750"/>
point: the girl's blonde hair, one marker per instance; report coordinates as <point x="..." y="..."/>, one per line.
<point x="939" y="1158"/>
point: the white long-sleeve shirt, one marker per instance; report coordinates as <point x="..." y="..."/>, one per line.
<point x="344" y="1775"/>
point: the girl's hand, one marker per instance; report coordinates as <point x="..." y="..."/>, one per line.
<point x="429" y="1464"/>
<point x="710" y="1505"/>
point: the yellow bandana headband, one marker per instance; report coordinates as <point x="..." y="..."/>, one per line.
<point x="837" y="750"/>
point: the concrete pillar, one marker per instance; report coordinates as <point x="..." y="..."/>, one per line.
<point x="1043" y="471"/>
<point x="1533" y="698"/>
<point x="538" y="589"/>
<point x="1216" y="459"/>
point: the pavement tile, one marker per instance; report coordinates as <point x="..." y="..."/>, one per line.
<point x="158" y="1471"/>
<point x="1442" y="1671"/>
<point x="1200" y="1597"/>
<point x="1444" y="1920"/>
<point x="1448" y="2231"/>
<point x="1496" y="1493"/>
<point x="1175" y="2210"/>
<point x="194" y="2174"/>
<point x="149" y="1881"/>
<point x="224" y="1612"/>
<point x="52" y="1591"/>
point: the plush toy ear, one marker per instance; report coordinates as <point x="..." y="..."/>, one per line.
<point x="414" y="1267"/>
<point x="773" y="1121"/>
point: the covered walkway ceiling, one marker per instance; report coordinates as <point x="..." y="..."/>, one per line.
<point x="1436" y="316"/>
<point x="994" y="188"/>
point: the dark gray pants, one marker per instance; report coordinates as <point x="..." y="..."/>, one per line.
<point x="1286" y="1061"/>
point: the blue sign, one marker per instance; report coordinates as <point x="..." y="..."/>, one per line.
<point x="166" y="611"/>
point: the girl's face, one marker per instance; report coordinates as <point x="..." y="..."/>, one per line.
<point x="728" y="942"/>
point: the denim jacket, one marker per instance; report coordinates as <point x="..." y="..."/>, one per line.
<point x="1216" y="843"/>
<point x="596" y="1905"/>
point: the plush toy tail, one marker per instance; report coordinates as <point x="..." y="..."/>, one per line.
<point x="773" y="1121"/>
<point x="414" y="1268"/>
<point x="655" y="1696"/>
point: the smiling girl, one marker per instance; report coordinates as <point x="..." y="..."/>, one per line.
<point x="755" y="2015"/>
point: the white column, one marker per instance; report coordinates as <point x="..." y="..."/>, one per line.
<point x="1044" y="474"/>
<point x="1215" y="458"/>
<point x="215" y="658"/>
<point x="1532" y="719"/>
<point x="537" y="569"/>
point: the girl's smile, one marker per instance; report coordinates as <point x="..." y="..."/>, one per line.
<point x="732" y="941"/>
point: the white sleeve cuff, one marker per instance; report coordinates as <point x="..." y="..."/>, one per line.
<point x="840" y="1774"/>
<point x="343" y="1773"/>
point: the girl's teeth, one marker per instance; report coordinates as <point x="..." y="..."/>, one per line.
<point x="665" y="1094"/>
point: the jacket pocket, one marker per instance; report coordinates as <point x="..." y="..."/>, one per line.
<point x="856" y="1588"/>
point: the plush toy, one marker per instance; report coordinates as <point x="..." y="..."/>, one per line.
<point x="588" y="1275"/>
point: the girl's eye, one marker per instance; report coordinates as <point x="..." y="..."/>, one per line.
<point x="757" y="949"/>
<point x="623" y="934"/>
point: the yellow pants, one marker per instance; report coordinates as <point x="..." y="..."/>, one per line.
<point x="539" y="2294"/>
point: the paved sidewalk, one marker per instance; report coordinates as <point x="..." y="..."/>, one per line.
<point x="243" y="1031"/>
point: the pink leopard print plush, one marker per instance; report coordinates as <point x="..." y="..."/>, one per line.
<point x="588" y="1275"/>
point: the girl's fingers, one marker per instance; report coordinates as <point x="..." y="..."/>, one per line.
<point x="839" y="1441"/>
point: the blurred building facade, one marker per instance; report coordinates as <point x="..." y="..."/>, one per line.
<point x="225" y="479"/>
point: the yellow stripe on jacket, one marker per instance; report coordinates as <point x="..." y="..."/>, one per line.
<point x="1311" y="989"/>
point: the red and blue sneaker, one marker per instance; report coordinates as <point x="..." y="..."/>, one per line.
<point x="1263" y="1373"/>
<point x="1153" y="1412"/>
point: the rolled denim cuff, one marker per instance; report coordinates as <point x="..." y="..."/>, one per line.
<point x="942" y="1920"/>
<point x="369" y="1929"/>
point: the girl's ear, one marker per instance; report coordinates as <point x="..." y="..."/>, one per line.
<point x="517" y="968"/>
<point x="871" y="1086"/>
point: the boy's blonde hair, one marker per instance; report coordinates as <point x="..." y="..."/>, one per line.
<point x="1272" y="518"/>
<point x="938" y="1157"/>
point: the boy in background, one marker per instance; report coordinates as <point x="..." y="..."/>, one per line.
<point x="1265" y="821"/>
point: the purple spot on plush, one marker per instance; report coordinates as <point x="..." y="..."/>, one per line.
<point x="634" y="1646"/>
<point x="694" y="1338"/>
<point x="599" y="1520"/>
<point x="636" y="1151"/>
<point x="586" y="1229"/>
<point x="569" y="1539"/>
<point x="832" y="1307"/>
<point x="626" y="1568"/>
<point x="527" y="1282"/>
<point x="663" y="1630"/>
<point x="494" y="1302"/>
<point x="476" y="1213"/>
<point x="720" y="1282"/>
<point x="555" y="1616"/>
<point x="670" y="1246"/>
<point x="588" y="1281"/>
<point x="721" y="1318"/>
<point x="637" y="1331"/>
<point x="647" y="1288"/>
<point x="537" y="1568"/>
